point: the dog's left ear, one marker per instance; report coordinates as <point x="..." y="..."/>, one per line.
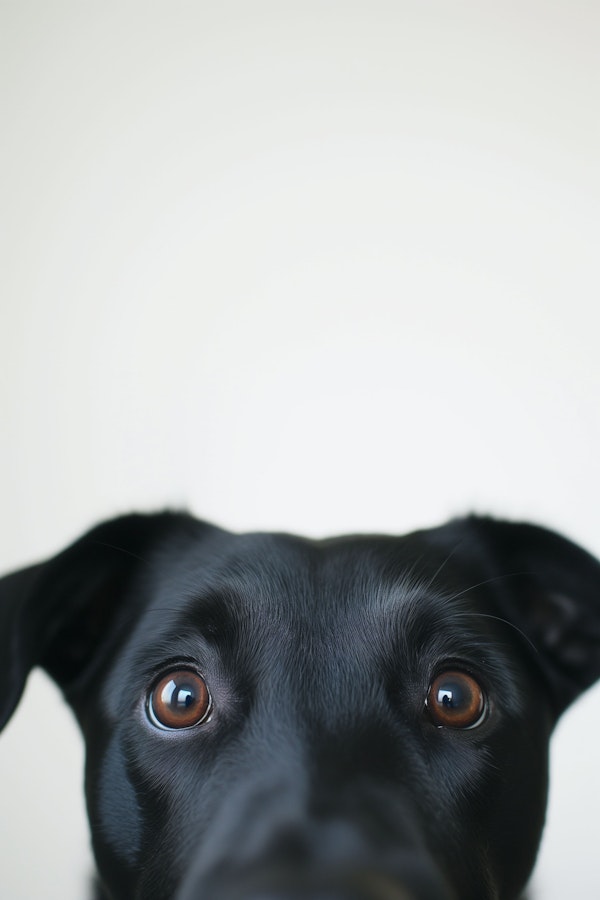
<point x="60" y="614"/>
<point x="550" y="589"/>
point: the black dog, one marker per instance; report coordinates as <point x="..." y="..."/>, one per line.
<point x="268" y="717"/>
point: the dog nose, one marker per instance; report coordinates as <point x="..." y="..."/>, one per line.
<point x="364" y="886"/>
<point x="387" y="893"/>
<point x="357" y="885"/>
<point x="397" y="893"/>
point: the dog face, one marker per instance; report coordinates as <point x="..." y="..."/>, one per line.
<point x="268" y="717"/>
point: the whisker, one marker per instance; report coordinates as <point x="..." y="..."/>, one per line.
<point x="486" y="581"/>
<point x="505" y="622"/>
<point x="441" y="567"/>
<point x="120" y="550"/>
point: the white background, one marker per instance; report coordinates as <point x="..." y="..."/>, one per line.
<point x="319" y="266"/>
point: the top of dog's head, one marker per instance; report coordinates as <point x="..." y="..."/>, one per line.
<point x="361" y="718"/>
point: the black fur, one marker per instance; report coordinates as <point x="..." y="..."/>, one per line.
<point x="320" y="773"/>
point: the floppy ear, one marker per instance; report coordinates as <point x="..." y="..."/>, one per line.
<point x="59" y="614"/>
<point x="550" y="589"/>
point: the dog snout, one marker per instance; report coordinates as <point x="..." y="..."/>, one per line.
<point x="325" y="857"/>
<point x="414" y="881"/>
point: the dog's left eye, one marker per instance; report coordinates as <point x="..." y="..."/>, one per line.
<point x="179" y="699"/>
<point x="455" y="699"/>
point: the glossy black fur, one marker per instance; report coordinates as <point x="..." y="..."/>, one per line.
<point x="319" y="774"/>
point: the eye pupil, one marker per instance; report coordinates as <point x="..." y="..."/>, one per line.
<point x="455" y="699"/>
<point x="179" y="700"/>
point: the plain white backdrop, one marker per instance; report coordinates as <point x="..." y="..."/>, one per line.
<point x="314" y="266"/>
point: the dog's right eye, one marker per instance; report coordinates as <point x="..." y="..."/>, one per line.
<point x="179" y="699"/>
<point x="456" y="700"/>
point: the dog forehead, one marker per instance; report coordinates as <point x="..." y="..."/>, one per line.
<point x="273" y="567"/>
<point x="258" y="580"/>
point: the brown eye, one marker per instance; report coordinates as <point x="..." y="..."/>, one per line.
<point x="456" y="700"/>
<point x="179" y="699"/>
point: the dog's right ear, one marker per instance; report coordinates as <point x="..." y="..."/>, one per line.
<point x="548" y="588"/>
<point x="59" y="614"/>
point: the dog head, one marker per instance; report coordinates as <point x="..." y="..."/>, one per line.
<point x="268" y="717"/>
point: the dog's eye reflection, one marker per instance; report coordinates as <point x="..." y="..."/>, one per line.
<point x="456" y="700"/>
<point x="179" y="699"/>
